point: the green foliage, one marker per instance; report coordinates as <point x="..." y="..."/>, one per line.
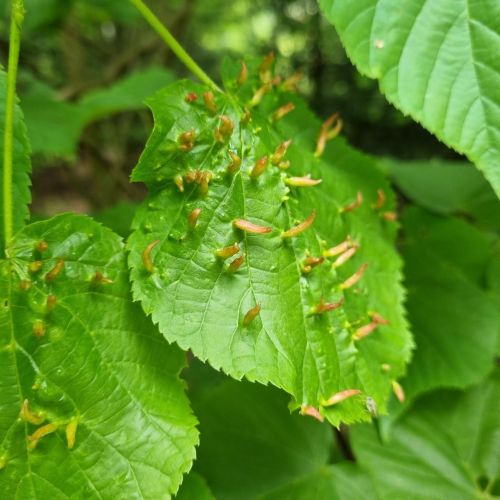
<point x="446" y="447"/>
<point x="55" y="126"/>
<point x="21" y="183"/>
<point x="202" y="302"/>
<point x="447" y="188"/>
<point x="247" y="451"/>
<point x="79" y="361"/>
<point x="434" y="62"/>
<point x="454" y="320"/>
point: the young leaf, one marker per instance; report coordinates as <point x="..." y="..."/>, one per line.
<point x="434" y="62"/>
<point x="445" y="447"/>
<point x="253" y="448"/>
<point x="278" y="311"/>
<point x="21" y="195"/>
<point x="90" y="398"/>
<point x="454" y="321"/>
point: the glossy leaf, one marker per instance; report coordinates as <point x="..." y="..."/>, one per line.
<point x="80" y="360"/>
<point x="21" y="195"/>
<point x="445" y="447"/>
<point x="251" y="447"/>
<point x="268" y="316"/>
<point x="436" y="62"/>
<point x="454" y="320"/>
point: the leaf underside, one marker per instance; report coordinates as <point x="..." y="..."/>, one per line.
<point x="87" y="363"/>
<point x="199" y="303"/>
<point x="436" y="61"/>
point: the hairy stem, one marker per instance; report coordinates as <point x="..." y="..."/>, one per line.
<point x="174" y="45"/>
<point x="17" y="19"/>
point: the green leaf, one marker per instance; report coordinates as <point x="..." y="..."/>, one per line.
<point x="85" y="359"/>
<point x="447" y="188"/>
<point x="252" y="447"/>
<point x="445" y="447"/>
<point x="343" y="481"/>
<point x="434" y="61"/>
<point x="21" y="195"/>
<point x="454" y="320"/>
<point x="55" y="126"/>
<point x="197" y="300"/>
<point x="194" y="487"/>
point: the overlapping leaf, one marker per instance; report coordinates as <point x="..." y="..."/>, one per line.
<point x="91" y="405"/>
<point x="21" y="195"/>
<point x="445" y="447"/>
<point x="435" y="60"/>
<point x="454" y="320"/>
<point x="251" y="447"/>
<point x="204" y="303"/>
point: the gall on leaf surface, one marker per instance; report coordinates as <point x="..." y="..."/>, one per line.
<point x="280" y="314"/>
<point x="436" y="61"/>
<point x="91" y="403"/>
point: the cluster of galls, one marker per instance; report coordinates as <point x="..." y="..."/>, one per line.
<point x="341" y="253"/>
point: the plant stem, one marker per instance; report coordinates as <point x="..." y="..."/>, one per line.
<point x="17" y="18"/>
<point x="174" y="45"/>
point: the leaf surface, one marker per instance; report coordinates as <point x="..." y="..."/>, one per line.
<point x="436" y="61"/>
<point x="454" y="318"/>
<point x="89" y="365"/>
<point x="252" y="448"/>
<point x="445" y="447"/>
<point x="201" y="302"/>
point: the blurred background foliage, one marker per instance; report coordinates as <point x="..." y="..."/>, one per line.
<point x="88" y="65"/>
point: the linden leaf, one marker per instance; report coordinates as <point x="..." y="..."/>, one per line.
<point x="90" y="400"/>
<point x="436" y="61"/>
<point x="237" y="258"/>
